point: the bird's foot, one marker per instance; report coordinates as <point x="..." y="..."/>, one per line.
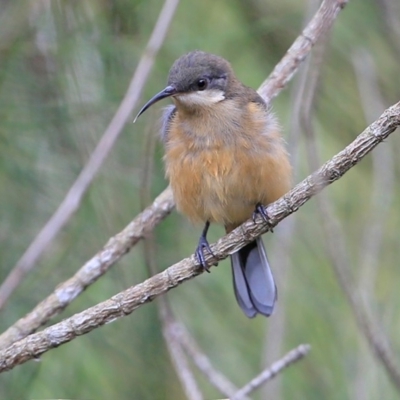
<point x="203" y="244"/>
<point x="260" y="209"/>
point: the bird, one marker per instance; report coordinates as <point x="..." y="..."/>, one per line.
<point x="225" y="159"/>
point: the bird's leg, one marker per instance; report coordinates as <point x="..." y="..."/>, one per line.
<point x="203" y="243"/>
<point x="261" y="210"/>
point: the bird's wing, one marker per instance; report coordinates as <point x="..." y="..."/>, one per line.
<point x="168" y="115"/>
<point x="254" y="97"/>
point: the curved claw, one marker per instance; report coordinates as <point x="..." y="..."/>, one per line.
<point x="261" y="210"/>
<point x="203" y="244"/>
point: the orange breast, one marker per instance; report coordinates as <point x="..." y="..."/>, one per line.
<point x="220" y="170"/>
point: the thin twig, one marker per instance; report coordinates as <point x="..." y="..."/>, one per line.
<point x="50" y="306"/>
<point x="289" y="359"/>
<point x="287" y="67"/>
<point x="178" y="357"/>
<point x="182" y="368"/>
<point x="72" y="200"/>
<point x="203" y="363"/>
<point x="129" y="300"/>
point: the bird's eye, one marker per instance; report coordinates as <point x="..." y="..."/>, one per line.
<point x="201" y="84"/>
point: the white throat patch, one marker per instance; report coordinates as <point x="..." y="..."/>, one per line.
<point x="205" y="98"/>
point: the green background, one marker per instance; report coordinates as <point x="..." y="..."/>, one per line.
<point x="64" y="68"/>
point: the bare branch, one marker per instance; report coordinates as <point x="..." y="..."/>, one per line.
<point x="290" y="358"/>
<point x="181" y="365"/>
<point x="129" y="300"/>
<point x="288" y="66"/>
<point x="97" y="266"/>
<point x="72" y="200"/>
<point x="203" y="363"/>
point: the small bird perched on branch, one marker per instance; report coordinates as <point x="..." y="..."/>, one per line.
<point x="224" y="158"/>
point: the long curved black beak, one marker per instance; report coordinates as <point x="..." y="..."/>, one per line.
<point x="167" y="92"/>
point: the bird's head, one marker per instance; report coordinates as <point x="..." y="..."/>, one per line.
<point x="197" y="80"/>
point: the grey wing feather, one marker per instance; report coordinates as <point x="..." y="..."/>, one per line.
<point x="240" y="286"/>
<point x="254" y="284"/>
<point x="167" y="117"/>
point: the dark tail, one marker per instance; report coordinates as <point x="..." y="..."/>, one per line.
<point x="253" y="282"/>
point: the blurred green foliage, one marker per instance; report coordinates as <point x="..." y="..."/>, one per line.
<point x="64" y="68"/>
